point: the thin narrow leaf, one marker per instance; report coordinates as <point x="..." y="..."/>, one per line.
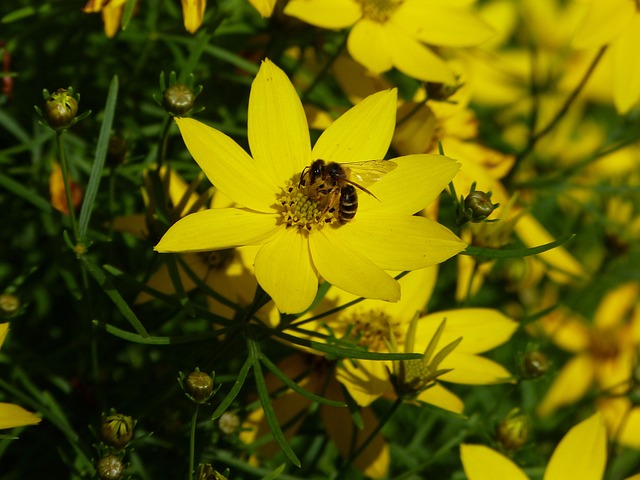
<point x="275" y="474"/>
<point x="517" y="253"/>
<point x="128" y="12"/>
<point x="24" y="193"/>
<point x="105" y="282"/>
<point x="151" y="340"/>
<point x="233" y="393"/>
<point x="98" y="161"/>
<point x="13" y="127"/>
<point x="340" y="352"/>
<point x="202" y="39"/>
<point x="297" y="388"/>
<point x="270" y="415"/>
<point x="174" y="275"/>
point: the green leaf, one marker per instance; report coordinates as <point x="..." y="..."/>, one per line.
<point x="202" y="39"/>
<point x="275" y="473"/>
<point x="297" y="388"/>
<point x="99" y="159"/>
<point x="105" y="282"/>
<point x="342" y="352"/>
<point x="24" y="193"/>
<point x="233" y="393"/>
<point x="270" y="415"/>
<point x="127" y="14"/>
<point x="514" y="253"/>
<point x="151" y="340"/>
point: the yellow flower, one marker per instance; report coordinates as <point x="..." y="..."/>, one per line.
<point x="376" y="325"/>
<point x="13" y="415"/>
<point x="112" y="11"/>
<point x="615" y="23"/>
<point x="582" y="453"/>
<point x="390" y="33"/>
<point x="264" y="7"/>
<point x="311" y="373"/>
<point x="192" y="12"/>
<point x="604" y="351"/>
<point x="301" y="241"/>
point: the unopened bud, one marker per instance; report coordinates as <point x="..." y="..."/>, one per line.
<point x="60" y="109"/>
<point x="440" y="91"/>
<point x="534" y="364"/>
<point x="116" y="151"/>
<point x="9" y="304"/>
<point x="117" y="430"/>
<point x="513" y="431"/>
<point x="110" y="468"/>
<point x="178" y="99"/>
<point x="198" y="385"/>
<point x="229" y="422"/>
<point x="478" y="206"/>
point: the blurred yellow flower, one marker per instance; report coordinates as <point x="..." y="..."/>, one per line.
<point x="192" y="12"/>
<point x="393" y="33"/>
<point x="376" y="325"/>
<point x="604" y="352"/>
<point x="13" y="415"/>
<point x="264" y="7"/>
<point x="301" y="241"/>
<point x="112" y="11"/>
<point x="581" y="454"/>
<point x="615" y="23"/>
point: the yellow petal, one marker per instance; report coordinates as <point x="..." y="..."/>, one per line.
<point x="345" y="267"/>
<point x="216" y="229"/>
<point x="484" y="463"/>
<point x="111" y="17"/>
<point x="616" y="305"/>
<point x="626" y="67"/>
<point x="395" y="242"/>
<point x="362" y="133"/>
<point x="473" y="369"/>
<point x="563" y="265"/>
<point x="582" y="453"/>
<point x="4" y="329"/>
<point x="570" y="385"/>
<point x="277" y="127"/>
<point x="325" y="13"/>
<point x="228" y="166"/>
<point x="441" y="25"/>
<point x="411" y="186"/>
<point x="442" y="398"/>
<point x="415" y="59"/>
<point x="566" y="329"/>
<point x="481" y="329"/>
<point x="264" y="7"/>
<point x="15" y="416"/>
<point x="374" y="460"/>
<point x="134" y="224"/>
<point x="366" y="380"/>
<point x="369" y="46"/>
<point x="604" y="21"/>
<point x="283" y="268"/>
<point x="192" y="12"/>
<point x="622" y="419"/>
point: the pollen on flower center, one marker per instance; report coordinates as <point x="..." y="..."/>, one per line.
<point x="302" y="208"/>
<point x="374" y="328"/>
<point x="379" y="10"/>
<point x="605" y="344"/>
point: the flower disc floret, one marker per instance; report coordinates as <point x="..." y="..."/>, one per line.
<point x="301" y="210"/>
<point x="379" y="10"/>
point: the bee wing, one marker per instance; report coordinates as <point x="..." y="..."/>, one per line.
<point x="368" y="172"/>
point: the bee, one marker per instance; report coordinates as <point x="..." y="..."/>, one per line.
<point x="336" y="182"/>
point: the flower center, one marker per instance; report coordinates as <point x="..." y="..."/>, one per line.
<point x="374" y="328"/>
<point x="605" y="344"/>
<point x="306" y="208"/>
<point x="379" y="10"/>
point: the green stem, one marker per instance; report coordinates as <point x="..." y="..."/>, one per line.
<point x="325" y="68"/>
<point x="192" y="442"/>
<point x="363" y="446"/>
<point x="565" y="107"/>
<point x="67" y="185"/>
<point x="162" y="145"/>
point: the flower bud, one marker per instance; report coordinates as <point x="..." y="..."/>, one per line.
<point x="110" y="468"/>
<point x="9" y="304"/>
<point x="440" y="91"/>
<point x="178" y="99"/>
<point x="513" y="431"/>
<point x="229" y="422"/>
<point x="116" y="151"/>
<point x="198" y="385"/>
<point x="60" y="109"/>
<point x="478" y="206"/>
<point x="534" y="364"/>
<point x="117" y="430"/>
<point x="206" y="472"/>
